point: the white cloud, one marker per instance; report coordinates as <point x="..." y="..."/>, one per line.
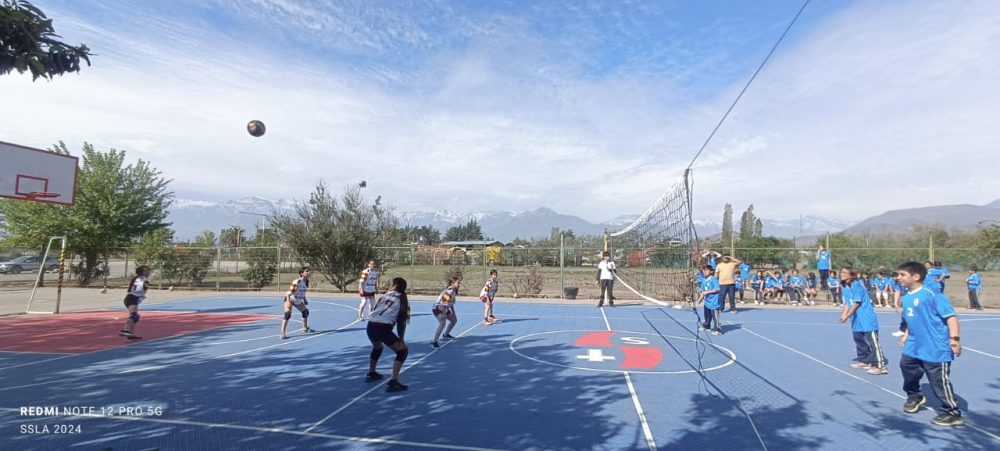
<point x="880" y="106"/>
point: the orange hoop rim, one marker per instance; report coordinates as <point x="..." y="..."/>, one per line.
<point x="40" y="195"/>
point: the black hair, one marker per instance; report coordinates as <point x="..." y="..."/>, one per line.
<point x="138" y="272"/>
<point x="493" y="271"/>
<point x="400" y="284"/>
<point x="303" y="269"/>
<point x="914" y="268"/>
<point x="974" y="268"/>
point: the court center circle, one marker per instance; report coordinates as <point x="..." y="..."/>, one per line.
<point x="521" y="347"/>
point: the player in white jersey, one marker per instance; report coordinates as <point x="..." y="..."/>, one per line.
<point x="391" y="308"/>
<point x="444" y="309"/>
<point x="486" y="295"/>
<point x="367" y="288"/>
<point x="296" y="296"/>
<point x="136" y="293"/>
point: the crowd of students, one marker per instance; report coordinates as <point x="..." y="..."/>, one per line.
<point x="928" y="331"/>
<point x="793" y="288"/>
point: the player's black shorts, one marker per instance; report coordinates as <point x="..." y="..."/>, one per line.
<point x="379" y="332"/>
<point x="131" y="299"/>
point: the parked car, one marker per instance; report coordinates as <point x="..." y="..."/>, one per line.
<point x="27" y="263"/>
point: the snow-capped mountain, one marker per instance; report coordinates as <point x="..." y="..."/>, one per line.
<point x="504" y="225"/>
<point x="191" y="217"/>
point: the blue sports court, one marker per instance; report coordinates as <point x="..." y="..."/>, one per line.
<point x="546" y="377"/>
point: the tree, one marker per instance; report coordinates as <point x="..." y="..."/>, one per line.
<point x="337" y="237"/>
<point x="262" y="258"/>
<point x="470" y="231"/>
<point x="758" y="228"/>
<point x="727" y="225"/>
<point x="426" y="235"/>
<point x="232" y="236"/>
<point x="116" y="203"/>
<point x="989" y="238"/>
<point x="206" y="239"/>
<point x="747" y="224"/>
<point x="28" y="43"/>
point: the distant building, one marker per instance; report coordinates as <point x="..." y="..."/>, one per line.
<point x="472" y="244"/>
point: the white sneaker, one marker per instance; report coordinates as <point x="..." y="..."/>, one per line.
<point x="897" y="333"/>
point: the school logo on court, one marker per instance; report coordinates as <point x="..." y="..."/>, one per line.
<point x="621" y="351"/>
<point x="625" y="351"/>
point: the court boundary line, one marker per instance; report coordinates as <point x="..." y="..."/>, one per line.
<point x="372" y="440"/>
<point x="982" y="431"/>
<point x="644" y="423"/>
<point x="380" y="384"/>
<point x="980" y="352"/>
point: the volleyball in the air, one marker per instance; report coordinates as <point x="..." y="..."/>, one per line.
<point x="256" y="128"/>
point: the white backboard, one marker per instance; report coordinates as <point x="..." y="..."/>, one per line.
<point x="37" y="175"/>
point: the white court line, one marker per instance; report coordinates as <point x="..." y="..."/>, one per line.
<point x="966" y="348"/>
<point x="376" y="386"/>
<point x="646" y="431"/>
<point x="984" y="432"/>
<point x="185" y="362"/>
<point x="35" y="352"/>
<point x="680" y="307"/>
<point x="372" y="440"/>
<point x="979" y="319"/>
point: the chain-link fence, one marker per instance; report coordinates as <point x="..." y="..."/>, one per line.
<point x="524" y="271"/>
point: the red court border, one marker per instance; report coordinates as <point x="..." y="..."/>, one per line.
<point x="80" y="332"/>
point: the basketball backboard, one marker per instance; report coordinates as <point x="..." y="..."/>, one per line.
<point x="37" y="175"/>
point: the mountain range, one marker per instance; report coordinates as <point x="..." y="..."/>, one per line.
<point x="191" y="217"/>
<point x="963" y="217"/>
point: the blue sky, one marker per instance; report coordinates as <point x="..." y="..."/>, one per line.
<point x="589" y="108"/>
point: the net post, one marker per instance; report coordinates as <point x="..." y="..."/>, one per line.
<point x="59" y="286"/>
<point x="692" y="236"/>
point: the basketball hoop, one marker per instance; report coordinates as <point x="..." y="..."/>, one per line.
<point x="36" y="195"/>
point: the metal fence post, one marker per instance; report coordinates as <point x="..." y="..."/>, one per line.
<point x="277" y="273"/>
<point x="218" y="268"/>
<point x="562" y="265"/>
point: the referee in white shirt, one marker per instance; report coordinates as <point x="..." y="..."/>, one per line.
<point x="606" y="280"/>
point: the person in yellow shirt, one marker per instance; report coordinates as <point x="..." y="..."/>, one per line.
<point x="726" y="273"/>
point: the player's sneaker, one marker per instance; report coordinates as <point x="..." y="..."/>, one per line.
<point x="716" y="332"/>
<point x="125" y="333"/>
<point x="947" y="419"/>
<point x="373" y="376"/>
<point x="134" y="337"/>
<point x="449" y="336"/>
<point x="860" y="365"/>
<point x="912" y="405"/>
<point x="435" y="344"/>
<point x="876" y="371"/>
<point x="284" y="337"/>
<point x="394" y="385"/>
<point x="307" y="330"/>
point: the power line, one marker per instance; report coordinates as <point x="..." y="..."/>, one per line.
<point x="747" y="86"/>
